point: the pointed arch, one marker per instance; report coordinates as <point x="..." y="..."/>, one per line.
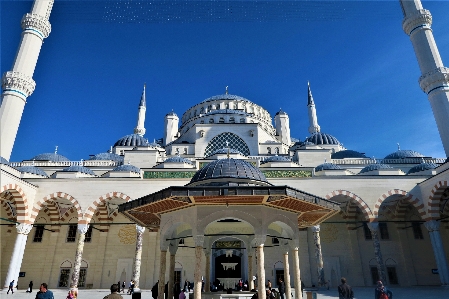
<point x="357" y="200"/>
<point x="91" y="210"/>
<point x="406" y="199"/>
<point x="20" y="201"/>
<point x="434" y="200"/>
<point x="49" y="199"/>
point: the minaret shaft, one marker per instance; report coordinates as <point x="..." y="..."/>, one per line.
<point x="434" y="80"/>
<point x="140" y="128"/>
<point x="313" y="119"/>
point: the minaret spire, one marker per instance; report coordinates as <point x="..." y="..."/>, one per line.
<point x="140" y="128"/>
<point x="313" y="119"/>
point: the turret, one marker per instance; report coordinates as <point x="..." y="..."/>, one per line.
<point x="282" y="124"/>
<point x="171" y="127"/>
<point x="313" y="119"/>
<point x="140" y="128"/>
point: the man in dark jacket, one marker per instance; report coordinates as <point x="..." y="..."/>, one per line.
<point x="281" y="287"/>
<point x="114" y="292"/>
<point x="344" y="290"/>
<point x="44" y="293"/>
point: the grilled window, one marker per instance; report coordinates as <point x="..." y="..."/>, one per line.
<point x="71" y="234"/>
<point x="274" y="241"/>
<point x="383" y="229"/>
<point x="88" y="236"/>
<point x="417" y="232"/>
<point x="38" y="233"/>
<point x="367" y="231"/>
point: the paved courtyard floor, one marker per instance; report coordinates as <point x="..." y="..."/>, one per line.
<point x="360" y="293"/>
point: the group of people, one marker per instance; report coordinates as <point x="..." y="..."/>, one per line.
<point x="380" y="292"/>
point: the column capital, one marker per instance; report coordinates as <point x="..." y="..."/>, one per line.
<point x="260" y="239"/>
<point x="140" y="229"/>
<point x="432" y="225"/>
<point x="316" y="228"/>
<point x="199" y="240"/>
<point x="36" y="24"/>
<point x="23" y="228"/>
<point x="420" y="19"/>
<point x="18" y="84"/>
<point x="82" y="228"/>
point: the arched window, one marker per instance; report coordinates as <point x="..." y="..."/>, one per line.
<point x="269" y="150"/>
<point x="232" y="120"/>
<point x="221" y="120"/>
<point x="224" y="140"/>
<point x="64" y="274"/>
<point x="242" y="120"/>
<point x="202" y="122"/>
<point x="276" y="151"/>
<point x="211" y="120"/>
<point x="177" y="151"/>
<point x="185" y="151"/>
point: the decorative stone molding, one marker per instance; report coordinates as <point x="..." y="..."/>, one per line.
<point x="36" y="23"/>
<point x="434" y="79"/>
<point x="139" y="131"/>
<point x="140" y="229"/>
<point x="82" y="228"/>
<point x="432" y="225"/>
<point x="422" y="17"/>
<point x="316" y="229"/>
<point x="168" y="174"/>
<point x="23" y="229"/>
<point x="18" y="82"/>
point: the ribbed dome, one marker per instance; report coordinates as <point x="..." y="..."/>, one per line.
<point x="53" y="157"/>
<point x="277" y="159"/>
<point x="132" y="140"/>
<point x="225" y="151"/>
<point x="3" y="161"/>
<point x="78" y="168"/>
<point x="32" y="170"/>
<point x="127" y="168"/>
<point x="229" y="168"/>
<point x="226" y="97"/>
<point x="347" y="154"/>
<point x="403" y="154"/>
<point x="327" y="166"/>
<point x="422" y="167"/>
<point x="178" y="159"/>
<point x="107" y="156"/>
<point x="322" y="138"/>
<point x="372" y="167"/>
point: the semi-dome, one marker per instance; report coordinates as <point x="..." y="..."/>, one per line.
<point x="347" y="154"/>
<point x="225" y="151"/>
<point x="79" y="168"/>
<point x="53" y="157"/>
<point x="322" y="138"/>
<point x="178" y="159"/>
<point x="132" y="140"/>
<point x="372" y="167"/>
<point x="32" y="170"/>
<point x="277" y="159"/>
<point x="107" y="156"/>
<point x="127" y="168"/>
<point x="404" y="154"/>
<point x="422" y="167"/>
<point x="327" y="166"/>
<point x="3" y="161"/>
<point x="233" y="169"/>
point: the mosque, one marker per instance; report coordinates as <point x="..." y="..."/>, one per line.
<point x="226" y="194"/>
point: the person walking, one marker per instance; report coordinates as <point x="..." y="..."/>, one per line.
<point x="281" y="288"/>
<point x="381" y="292"/>
<point x="30" y="287"/>
<point x="44" y="292"/>
<point x="344" y="290"/>
<point x="123" y="287"/>
<point x="115" y="288"/>
<point x="11" y="287"/>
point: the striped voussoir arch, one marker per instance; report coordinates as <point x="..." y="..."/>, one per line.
<point x="54" y="209"/>
<point x="102" y="217"/>
<point x="20" y="200"/>
<point x="92" y="209"/>
<point x="354" y="202"/>
<point x="401" y="206"/>
<point x="434" y="200"/>
<point x="7" y="199"/>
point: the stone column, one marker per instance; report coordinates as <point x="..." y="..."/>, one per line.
<point x="82" y="229"/>
<point x="162" y="266"/>
<point x="433" y="227"/>
<point x="288" y="288"/>
<point x="260" y="241"/>
<point x="374" y="228"/>
<point x="138" y="256"/>
<point x="207" y="277"/>
<point x="318" y="255"/>
<point x="250" y="272"/>
<point x="297" y="271"/>
<point x="17" y="255"/>
<point x="171" y="275"/>
<point x="199" y="241"/>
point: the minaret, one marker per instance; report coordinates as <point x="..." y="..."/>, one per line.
<point x="140" y="128"/>
<point x="313" y="120"/>
<point x="171" y="127"/>
<point x="282" y="124"/>
<point x="18" y="84"/>
<point x="434" y="80"/>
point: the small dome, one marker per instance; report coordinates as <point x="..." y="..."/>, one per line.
<point x="107" y="156"/>
<point x="78" y="168"/>
<point x="322" y="138"/>
<point x="347" y="154"/>
<point x="277" y="159"/>
<point x="127" y="168"/>
<point x="178" y="159"/>
<point x="172" y="113"/>
<point x="32" y="170"/>
<point x="3" y="161"/>
<point x="327" y="166"/>
<point x="53" y="157"/>
<point x="307" y="143"/>
<point x="229" y="168"/>
<point x="404" y="154"/>
<point x="422" y="167"/>
<point x="372" y="167"/>
<point x="280" y="112"/>
<point x="132" y="140"/>
<point x="225" y="151"/>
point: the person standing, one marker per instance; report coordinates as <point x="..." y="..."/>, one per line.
<point x="44" y="292"/>
<point x="344" y="290"/>
<point x="281" y="287"/>
<point x="269" y="284"/>
<point x="114" y="295"/>
<point x="123" y="286"/>
<point x="11" y="287"/>
<point x="118" y="283"/>
<point x="381" y="292"/>
<point x="155" y="290"/>
<point x="30" y="287"/>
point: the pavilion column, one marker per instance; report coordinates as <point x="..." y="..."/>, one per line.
<point x="260" y="241"/>
<point x="374" y="228"/>
<point x="82" y="230"/>
<point x="207" y="277"/>
<point x="250" y="272"/>
<point x="17" y="255"/>
<point x="288" y="288"/>
<point x="199" y="241"/>
<point x="138" y="256"/>
<point x="297" y="271"/>
<point x="318" y="255"/>
<point x="171" y="274"/>
<point x="433" y="227"/>
<point x="162" y="266"/>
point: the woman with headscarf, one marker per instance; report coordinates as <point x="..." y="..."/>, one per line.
<point x="381" y="292"/>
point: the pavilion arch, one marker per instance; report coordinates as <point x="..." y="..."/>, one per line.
<point x="289" y="226"/>
<point x="20" y="201"/>
<point x="351" y="213"/>
<point x="406" y="199"/>
<point x="435" y="198"/>
<point x="49" y="198"/>
<point x="90" y="211"/>
<point x="229" y="213"/>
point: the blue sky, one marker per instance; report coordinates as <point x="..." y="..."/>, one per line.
<point x="91" y="70"/>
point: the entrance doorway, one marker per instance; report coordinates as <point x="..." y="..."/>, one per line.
<point x="279" y="274"/>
